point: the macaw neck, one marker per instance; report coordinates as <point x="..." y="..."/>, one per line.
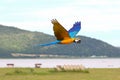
<point x="67" y="41"/>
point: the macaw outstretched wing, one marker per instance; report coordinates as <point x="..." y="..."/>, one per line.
<point x="51" y="43"/>
<point x="75" y="29"/>
<point x="60" y="32"/>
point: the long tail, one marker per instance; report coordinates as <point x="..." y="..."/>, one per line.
<point x="48" y="44"/>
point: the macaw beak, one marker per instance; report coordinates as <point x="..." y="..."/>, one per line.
<point x="77" y="41"/>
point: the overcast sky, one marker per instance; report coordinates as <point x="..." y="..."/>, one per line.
<point x="100" y="18"/>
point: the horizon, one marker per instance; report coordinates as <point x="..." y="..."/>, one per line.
<point x="99" y="19"/>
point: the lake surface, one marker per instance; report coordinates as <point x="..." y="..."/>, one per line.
<point x="50" y="63"/>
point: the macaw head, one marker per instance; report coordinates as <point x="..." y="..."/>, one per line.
<point x="77" y="40"/>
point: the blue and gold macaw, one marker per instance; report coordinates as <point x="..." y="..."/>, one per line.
<point x="62" y="35"/>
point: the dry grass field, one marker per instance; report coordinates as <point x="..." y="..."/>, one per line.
<point x="51" y="74"/>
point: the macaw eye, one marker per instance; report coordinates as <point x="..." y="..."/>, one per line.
<point x="77" y="40"/>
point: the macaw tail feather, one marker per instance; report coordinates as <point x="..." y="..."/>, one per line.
<point x="48" y="44"/>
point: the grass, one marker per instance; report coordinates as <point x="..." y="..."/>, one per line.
<point x="51" y="74"/>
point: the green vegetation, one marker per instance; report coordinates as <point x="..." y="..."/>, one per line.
<point x="29" y="71"/>
<point x="50" y="74"/>
<point x="14" y="40"/>
<point x="38" y="71"/>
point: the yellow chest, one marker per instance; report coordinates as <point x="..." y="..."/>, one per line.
<point x="67" y="41"/>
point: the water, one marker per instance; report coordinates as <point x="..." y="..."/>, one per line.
<point x="50" y="63"/>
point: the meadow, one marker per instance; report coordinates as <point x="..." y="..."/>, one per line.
<point x="51" y="74"/>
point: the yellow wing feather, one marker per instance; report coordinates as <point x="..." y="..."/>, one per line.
<point x="60" y="32"/>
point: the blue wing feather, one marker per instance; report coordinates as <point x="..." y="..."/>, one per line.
<point x="75" y="29"/>
<point x="51" y="43"/>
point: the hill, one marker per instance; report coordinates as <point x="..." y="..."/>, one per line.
<point x="16" y="42"/>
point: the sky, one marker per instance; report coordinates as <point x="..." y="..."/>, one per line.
<point x="100" y="19"/>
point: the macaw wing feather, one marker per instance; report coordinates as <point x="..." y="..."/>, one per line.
<point x="75" y="29"/>
<point x="48" y="44"/>
<point x="59" y="31"/>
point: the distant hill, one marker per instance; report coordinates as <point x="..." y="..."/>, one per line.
<point x="16" y="41"/>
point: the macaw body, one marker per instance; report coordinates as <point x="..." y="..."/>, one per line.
<point x="62" y="35"/>
<point x="67" y="41"/>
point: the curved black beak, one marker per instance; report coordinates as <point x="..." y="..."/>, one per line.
<point x="77" y="41"/>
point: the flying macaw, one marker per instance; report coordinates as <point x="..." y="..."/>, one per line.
<point x="62" y="35"/>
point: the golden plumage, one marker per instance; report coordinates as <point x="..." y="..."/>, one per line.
<point x="62" y="35"/>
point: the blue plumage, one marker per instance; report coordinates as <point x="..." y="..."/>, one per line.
<point x="48" y="44"/>
<point x="60" y="32"/>
<point x="75" y="29"/>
